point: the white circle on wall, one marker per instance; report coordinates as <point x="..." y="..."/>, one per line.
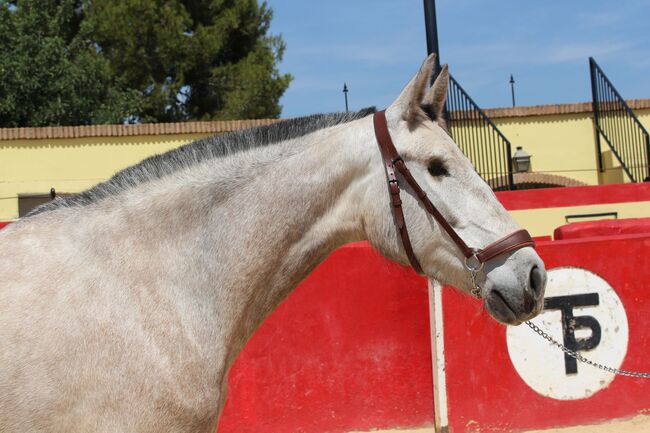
<point x="583" y="310"/>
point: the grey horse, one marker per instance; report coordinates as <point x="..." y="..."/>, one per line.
<point x="122" y="308"/>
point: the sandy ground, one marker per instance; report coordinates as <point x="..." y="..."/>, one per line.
<point x="638" y="424"/>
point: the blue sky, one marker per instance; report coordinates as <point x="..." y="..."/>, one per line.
<point x="377" y="45"/>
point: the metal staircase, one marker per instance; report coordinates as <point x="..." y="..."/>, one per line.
<point x="618" y="125"/>
<point x="479" y="138"/>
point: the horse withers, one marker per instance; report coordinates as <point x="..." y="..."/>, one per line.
<point x="123" y="307"/>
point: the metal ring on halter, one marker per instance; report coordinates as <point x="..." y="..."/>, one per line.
<point x="479" y="264"/>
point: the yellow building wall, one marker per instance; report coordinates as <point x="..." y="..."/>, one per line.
<point x="561" y="144"/>
<point x="565" y="145"/>
<point x="71" y="165"/>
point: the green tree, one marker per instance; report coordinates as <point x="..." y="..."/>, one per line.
<point x="50" y="74"/>
<point x="91" y="61"/>
<point x="193" y="59"/>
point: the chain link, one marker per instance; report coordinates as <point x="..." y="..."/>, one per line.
<point x="476" y="290"/>
<point x="579" y="357"/>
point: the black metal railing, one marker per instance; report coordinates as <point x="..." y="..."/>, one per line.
<point x="479" y="138"/>
<point x="616" y="122"/>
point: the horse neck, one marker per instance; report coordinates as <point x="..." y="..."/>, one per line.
<point x="274" y="214"/>
<point x="286" y="219"/>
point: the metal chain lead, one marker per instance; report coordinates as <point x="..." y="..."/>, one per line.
<point x="476" y="291"/>
<point x="579" y="357"/>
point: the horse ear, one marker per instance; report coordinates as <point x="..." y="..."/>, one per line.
<point x="434" y="100"/>
<point x="409" y="102"/>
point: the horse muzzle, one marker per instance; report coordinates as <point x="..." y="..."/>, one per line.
<point x="512" y="299"/>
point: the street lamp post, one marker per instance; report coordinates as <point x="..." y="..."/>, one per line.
<point x="345" y="92"/>
<point x="512" y="89"/>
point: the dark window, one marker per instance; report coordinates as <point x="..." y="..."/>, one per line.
<point x="27" y="202"/>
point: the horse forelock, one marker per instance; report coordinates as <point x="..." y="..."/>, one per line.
<point x="212" y="147"/>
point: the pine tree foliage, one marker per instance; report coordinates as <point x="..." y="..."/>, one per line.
<point x="96" y="61"/>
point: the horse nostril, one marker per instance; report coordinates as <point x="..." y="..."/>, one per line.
<point x="536" y="282"/>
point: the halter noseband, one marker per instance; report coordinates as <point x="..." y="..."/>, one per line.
<point x="474" y="258"/>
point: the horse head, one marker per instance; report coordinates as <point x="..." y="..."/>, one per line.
<point x="512" y="282"/>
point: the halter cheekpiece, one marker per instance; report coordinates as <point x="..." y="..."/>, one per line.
<point x="474" y="258"/>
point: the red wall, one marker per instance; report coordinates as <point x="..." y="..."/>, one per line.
<point x="590" y="229"/>
<point x="348" y="350"/>
<point x="574" y="196"/>
<point x="484" y="390"/>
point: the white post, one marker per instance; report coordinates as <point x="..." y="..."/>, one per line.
<point x="438" y="357"/>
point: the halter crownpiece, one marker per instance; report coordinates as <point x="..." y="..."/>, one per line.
<point x="474" y="258"/>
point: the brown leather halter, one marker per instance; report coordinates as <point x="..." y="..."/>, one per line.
<point x="474" y="258"/>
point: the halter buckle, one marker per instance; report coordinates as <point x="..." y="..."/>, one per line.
<point x="398" y="163"/>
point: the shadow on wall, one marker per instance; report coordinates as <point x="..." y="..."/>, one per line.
<point x="535" y="181"/>
<point x="613" y="171"/>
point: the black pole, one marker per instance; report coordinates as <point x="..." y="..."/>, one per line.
<point x="512" y="89"/>
<point x="431" y="25"/>
<point x="345" y="92"/>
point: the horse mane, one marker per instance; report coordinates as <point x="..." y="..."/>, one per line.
<point x="212" y="147"/>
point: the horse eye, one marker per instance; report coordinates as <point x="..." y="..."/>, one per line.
<point x="437" y="168"/>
